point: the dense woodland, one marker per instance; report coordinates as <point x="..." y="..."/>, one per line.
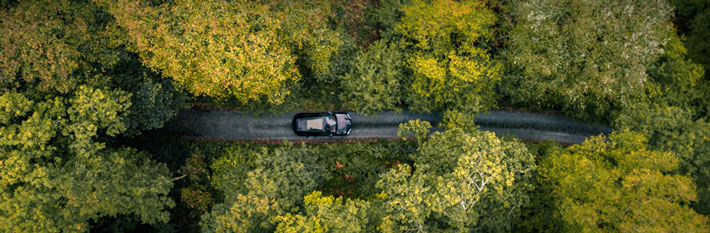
<point x="86" y="87"/>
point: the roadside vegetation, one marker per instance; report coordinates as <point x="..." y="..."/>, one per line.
<point x="87" y="85"/>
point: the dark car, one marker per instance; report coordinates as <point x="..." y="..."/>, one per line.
<point x="322" y="124"/>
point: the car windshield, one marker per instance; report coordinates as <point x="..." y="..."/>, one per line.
<point x="343" y="123"/>
<point x="331" y="122"/>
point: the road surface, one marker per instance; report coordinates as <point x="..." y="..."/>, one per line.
<point x="233" y="125"/>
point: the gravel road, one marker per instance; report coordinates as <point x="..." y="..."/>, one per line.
<point x="231" y="125"/>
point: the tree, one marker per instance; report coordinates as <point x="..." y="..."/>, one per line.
<point x="53" y="47"/>
<point x="678" y="80"/>
<point x="685" y="12"/>
<point x="327" y="214"/>
<point x="287" y="175"/>
<point x="56" y="176"/>
<point x="460" y="181"/>
<point x="414" y="128"/>
<point x="675" y="118"/>
<point x="690" y="19"/>
<point x="620" y="185"/>
<point x="154" y="100"/>
<point x="450" y="64"/>
<point x="585" y="58"/>
<point x="250" y="51"/>
<point x="374" y="82"/>
<point x="272" y="186"/>
<point x="671" y="128"/>
<point x="697" y="43"/>
<point x="453" y="119"/>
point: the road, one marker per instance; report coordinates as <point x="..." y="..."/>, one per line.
<point x="232" y="125"/>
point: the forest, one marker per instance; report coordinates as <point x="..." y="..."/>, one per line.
<point x="88" y="86"/>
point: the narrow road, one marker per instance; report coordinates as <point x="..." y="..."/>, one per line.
<point x="230" y="125"/>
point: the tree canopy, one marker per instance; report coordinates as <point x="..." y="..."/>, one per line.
<point x="57" y="175"/>
<point x="447" y="55"/>
<point x="620" y="185"/>
<point x="53" y="47"/>
<point x="461" y="181"/>
<point x="585" y="58"/>
<point x="231" y="49"/>
<point x="68" y="90"/>
<point x="87" y="85"/>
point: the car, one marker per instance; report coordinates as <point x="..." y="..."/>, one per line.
<point x="322" y="124"/>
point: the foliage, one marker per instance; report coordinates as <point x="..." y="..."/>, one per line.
<point x="286" y="175"/>
<point x="54" y="45"/>
<point x="457" y="120"/>
<point x="675" y="119"/>
<point x="154" y="100"/>
<point x="672" y="128"/>
<point x="447" y="55"/>
<point x="357" y="20"/>
<point x="82" y="45"/>
<point x="620" y="185"/>
<point x="414" y="128"/>
<point x="538" y="214"/>
<point x="56" y="176"/>
<point x="686" y="10"/>
<point x="245" y="214"/>
<point x="387" y="14"/>
<point x="585" y="58"/>
<point x="196" y="194"/>
<point x="374" y="81"/>
<point x="690" y="19"/>
<point x="327" y="214"/>
<point x="363" y="162"/>
<point x="697" y="38"/>
<point x="231" y="167"/>
<point x="460" y="182"/>
<point x="354" y="169"/>
<point x="678" y="81"/>
<point x="246" y="175"/>
<point x="280" y="177"/>
<point x="245" y="50"/>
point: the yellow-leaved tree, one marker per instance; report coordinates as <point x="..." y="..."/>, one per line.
<point x="448" y="56"/>
<point x="247" y="50"/>
<point x="620" y="185"/>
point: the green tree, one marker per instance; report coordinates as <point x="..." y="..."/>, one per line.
<point x="374" y="82"/>
<point x="273" y="185"/>
<point x="448" y="56"/>
<point x="671" y="128"/>
<point x="699" y="47"/>
<point x="455" y="119"/>
<point x="675" y="118"/>
<point x="245" y="214"/>
<point x="461" y="181"/>
<point x="52" y="47"/>
<point x="691" y="18"/>
<point x="327" y="214"/>
<point x="154" y="100"/>
<point x="56" y="174"/>
<point x="250" y="51"/>
<point x="620" y="185"/>
<point x="685" y="12"/>
<point x="678" y="80"/>
<point x="585" y="58"/>
<point x="287" y="174"/>
<point x="414" y="128"/>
